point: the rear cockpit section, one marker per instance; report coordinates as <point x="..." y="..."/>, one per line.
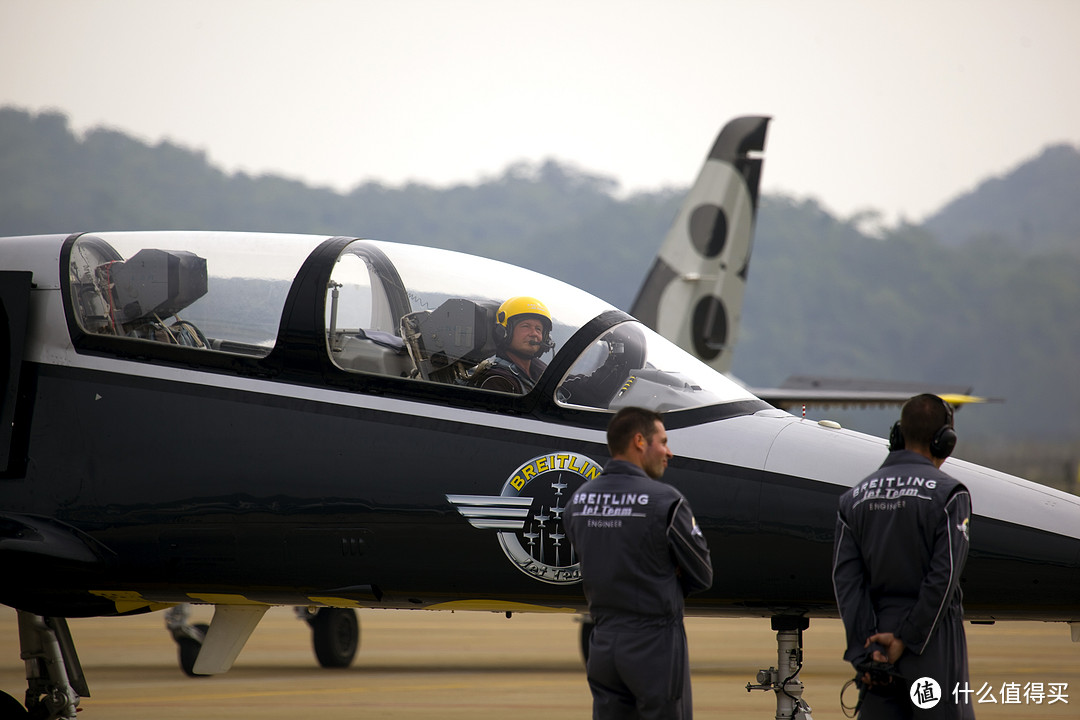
<point x="131" y="297"/>
<point x="214" y="291"/>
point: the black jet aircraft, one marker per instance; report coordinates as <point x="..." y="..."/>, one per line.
<point x="249" y="419"/>
<point x="693" y="296"/>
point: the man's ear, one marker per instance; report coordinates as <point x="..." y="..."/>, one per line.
<point x="639" y="442"/>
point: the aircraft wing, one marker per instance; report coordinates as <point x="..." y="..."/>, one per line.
<point x="800" y="390"/>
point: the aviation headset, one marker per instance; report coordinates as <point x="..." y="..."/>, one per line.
<point x="943" y="442"/>
<point x="522" y="305"/>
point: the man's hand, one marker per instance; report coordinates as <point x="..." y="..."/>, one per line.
<point x="894" y="647"/>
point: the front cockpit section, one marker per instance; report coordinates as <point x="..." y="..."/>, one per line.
<point x="375" y="326"/>
<point x="630" y="365"/>
<point x="446" y="344"/>
<point x="365" y="302"/>
<point x="430" y="315"/>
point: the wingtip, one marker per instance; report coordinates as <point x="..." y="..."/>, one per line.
<point x="959" y="399"/>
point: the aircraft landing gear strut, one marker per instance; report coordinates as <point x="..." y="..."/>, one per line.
<point x="784" y="678"/>
<point x="54" y="677"/>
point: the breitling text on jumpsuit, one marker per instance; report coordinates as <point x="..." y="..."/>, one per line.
<point x="604" y="509"/>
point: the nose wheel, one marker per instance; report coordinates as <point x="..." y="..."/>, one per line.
<point x="54" y="677"/>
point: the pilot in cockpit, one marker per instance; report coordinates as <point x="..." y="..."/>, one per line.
<point x="522" y="334"/>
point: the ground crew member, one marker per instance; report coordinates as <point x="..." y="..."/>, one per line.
<point x="641" y="553"/>
<point x="522" y="334"/>
<point x="901" y="541"/>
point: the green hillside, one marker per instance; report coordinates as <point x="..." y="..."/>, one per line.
<point x="985" y="293"/>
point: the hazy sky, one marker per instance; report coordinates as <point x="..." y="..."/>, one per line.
<point x="898" y="106"/>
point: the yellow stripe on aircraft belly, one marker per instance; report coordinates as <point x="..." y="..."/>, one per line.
<point x="127" y="602"/>
<point x="224" y="599"/>
<point x="336" y="602"/>
<point x="498" y="606"/>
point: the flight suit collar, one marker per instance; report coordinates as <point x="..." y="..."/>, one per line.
<point x="906" y="457"/>
<point x="623" y="467"/>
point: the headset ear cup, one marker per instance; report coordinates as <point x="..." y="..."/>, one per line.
<point x="896" y="438"/>
<point x="500" y="328"/>
<point x="943" y="442"/>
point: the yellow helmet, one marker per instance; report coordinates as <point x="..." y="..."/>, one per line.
<point x="522" y="305"/>
<point x="517" y="308"/>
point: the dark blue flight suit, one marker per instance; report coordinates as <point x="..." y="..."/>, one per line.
<point x="501" y="373"/>
<point x="641" y="552"/>
<point x="901" y="543"/>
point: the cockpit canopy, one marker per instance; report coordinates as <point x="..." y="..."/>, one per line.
<point x="392" y="310"/>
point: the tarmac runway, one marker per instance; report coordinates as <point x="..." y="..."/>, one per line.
<point x="419" y="664"/>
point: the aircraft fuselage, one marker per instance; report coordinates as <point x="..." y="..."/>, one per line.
<point x="144" y="476"/>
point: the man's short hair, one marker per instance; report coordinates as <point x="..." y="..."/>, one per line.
<point x="627" y="423"/>
<point x="921" y="417"/>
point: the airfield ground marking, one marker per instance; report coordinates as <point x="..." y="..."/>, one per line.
<point x="195" y="697"/>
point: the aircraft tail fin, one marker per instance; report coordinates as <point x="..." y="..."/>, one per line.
<point x="693" y="293"/>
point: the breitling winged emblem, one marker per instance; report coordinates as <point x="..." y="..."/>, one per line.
<point x="493" y="512"/>
<point x="528" y="515"/>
